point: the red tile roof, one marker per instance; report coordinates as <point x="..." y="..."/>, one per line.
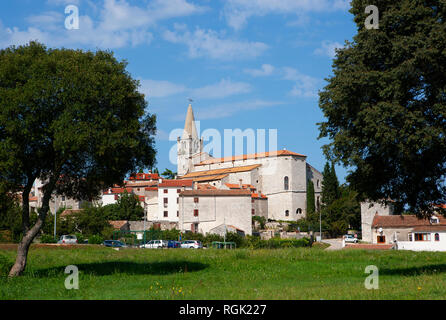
<point x="431" y="228"/>
<point x="217" y="192"/>
<point x="206" y="186"/>
<point x="257" y="196"/>
<point x="118" y="190"/>
<point x="118" y="224"/>
<point x="176" y="183"/>
<point x="251" y="156"/>
<point x="237" y="186"/>
<point x="144" y="176"/>
<point x="32" y="199"/>
<point x="403" y="221"/>
<point x="151" y="189"/>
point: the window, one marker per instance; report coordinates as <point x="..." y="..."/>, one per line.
<point x="381" y="239"/>
<point x="166" y="200"/>
<point x="165" y="190"/>
<point x="178" y="213"/>
<point x="287" y="213"/>
<point x="196" y="200"/>
<point x="178" y="190"/>
<point x="299" y="211"/>
<point x="286" y="183"/>
<point x="63" y="198"/>
<point x="195" y="212"/>
<point x="165" y="214"/>
<point x="422" y="237"/>
<point x="437" y="237"/>
<point x="178" y="200"/>
<point x="253" y="212"/>
<point x="410" y="236"/>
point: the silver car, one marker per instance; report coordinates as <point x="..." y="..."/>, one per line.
<point x="67" y="239"/>
<point x="350" y="238"/>
<point x="155" y="244"/>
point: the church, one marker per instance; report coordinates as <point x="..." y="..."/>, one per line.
<point x="272" y="184"/>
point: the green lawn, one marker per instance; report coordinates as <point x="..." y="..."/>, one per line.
<point x="300" y="273"/>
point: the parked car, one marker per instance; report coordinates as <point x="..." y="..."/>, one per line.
<point x="67" y="239"/>
<point x="154" y="244"/>
<point x="350" y="238"/>
<point x="173" y="244"/>
<point x="193" y="244"/>
<point x="114" y="244"/>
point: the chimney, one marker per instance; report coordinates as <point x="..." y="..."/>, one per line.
<point x="241" y="183"/>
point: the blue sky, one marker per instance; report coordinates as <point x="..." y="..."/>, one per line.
<point x="246" y="63"/>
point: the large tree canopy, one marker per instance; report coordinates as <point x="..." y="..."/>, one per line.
<point x="385" y="104"/>
<point x="71" y="118"/>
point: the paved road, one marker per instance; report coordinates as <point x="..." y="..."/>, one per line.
<point x="335" y="244"/>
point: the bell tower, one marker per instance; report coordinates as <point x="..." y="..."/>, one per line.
<point x="188" y="145"/>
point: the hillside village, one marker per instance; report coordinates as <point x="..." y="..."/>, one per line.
<point x="220" y="195"/>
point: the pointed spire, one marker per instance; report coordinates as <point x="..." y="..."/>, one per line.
<point x="189" y="126"/>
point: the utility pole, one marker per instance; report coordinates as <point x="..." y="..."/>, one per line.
<point x="320" y="225"/>
<point x="55" y="216"/>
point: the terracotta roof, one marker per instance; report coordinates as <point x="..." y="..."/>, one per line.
<point x="251" y="156"/>
<point x="68" y="212"/>
<point x="117" y="190"/>
<point x="257" y="196"/>
<point x="217" y="192"/>
<point x="220" y="171"/>
<point x="151" y="189"/>
<point x="210" y="178"/>
<point x="135" y="184"/>
<point x="401" y="221"/>
<point x="176" y="183"/>
<point x="118" y="224"/>
<point x="206" y="186"/>
<point x="144" y="176"/>
<point x="141" y="198"/>
<point x="237" y="186"/>
<point x="32" y="199"/>
<point x="431" y="228"/>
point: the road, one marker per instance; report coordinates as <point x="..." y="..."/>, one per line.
<point x="335" y="244"/>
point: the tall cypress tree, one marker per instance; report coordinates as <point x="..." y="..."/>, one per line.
<point x="311" y="207"/>
<point x="330" y="185"/>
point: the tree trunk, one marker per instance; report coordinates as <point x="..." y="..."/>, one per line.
<point x="22" y="250"/>
<point x="29" y="234"/>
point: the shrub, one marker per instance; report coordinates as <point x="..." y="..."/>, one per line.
<point x="47" y="238"/>
<point x="5" y="266"/>
<point x="95" y="239"/>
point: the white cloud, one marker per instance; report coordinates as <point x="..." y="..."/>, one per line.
<point x="160" y="89"/>
<point x="328" y="48"/>
<point x="209" y="43"/>
<point x="304" y="86"/>
<point x="237" y="12"/>
<point x="119" y="24"/>
<point x="222" y="89"/>
<point x="229" y="109"/>
<point x="265" y="70"/>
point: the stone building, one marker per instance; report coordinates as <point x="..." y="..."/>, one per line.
<point x="208" y="211"/>
<point x="280" y="175"/>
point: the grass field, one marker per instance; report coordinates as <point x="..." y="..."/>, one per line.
<point x="299" y="273"/>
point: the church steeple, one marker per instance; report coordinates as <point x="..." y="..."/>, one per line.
<point x="190" y="130"/>
<point x="189" y="144"/>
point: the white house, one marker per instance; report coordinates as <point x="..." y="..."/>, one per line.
<point x="425" y="238"/>
<point x="168" y="198"/>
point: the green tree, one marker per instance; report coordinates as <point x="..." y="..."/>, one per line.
<point x="343" y="213"/>
<point x="311" y="207"/>
<point x="169" y="174"/>
<point x="127" y="207"/>
<point x="330" y="185"/>
<point x="73" y="119"/>
<point x="385" y="104"/>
